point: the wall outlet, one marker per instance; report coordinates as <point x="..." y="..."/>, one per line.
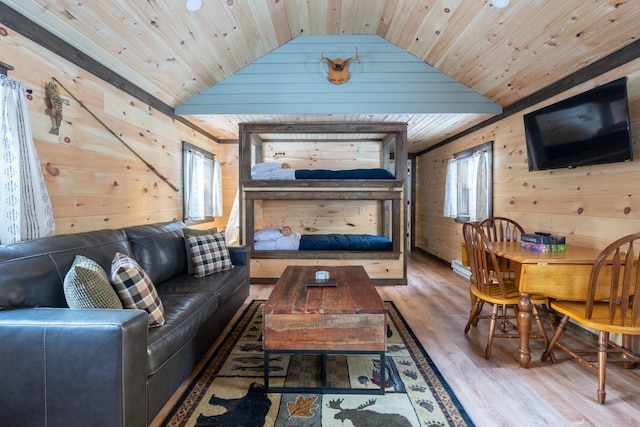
<point x="360" y="210"/>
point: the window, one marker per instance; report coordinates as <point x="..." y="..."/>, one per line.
<point x="202" y="184"/>
<point x="469" y="183"/>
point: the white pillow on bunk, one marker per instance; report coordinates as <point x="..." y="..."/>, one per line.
<point x="285" y="173"/>
<point x="264" y="167"/>
<point x="265" y="245"/>
<point x="270" y="170"/>
<point x="289" y="243"/>
<point x="265" y="234"/>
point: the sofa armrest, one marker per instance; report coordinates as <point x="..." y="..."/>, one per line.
<point x="64" y="367"/>
<point x="240" y="255"/>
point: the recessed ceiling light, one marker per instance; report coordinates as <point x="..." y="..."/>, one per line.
<point x="193" y="5"/>
<point x="267" y="118"/>
<point x="500" y="3"/>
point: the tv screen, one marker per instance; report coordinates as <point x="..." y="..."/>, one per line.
<point x="586" y="129"/>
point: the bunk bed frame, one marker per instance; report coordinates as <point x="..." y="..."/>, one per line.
<point x="383" y="267"/>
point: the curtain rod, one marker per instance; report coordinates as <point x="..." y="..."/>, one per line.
<point x="4" y="68"/>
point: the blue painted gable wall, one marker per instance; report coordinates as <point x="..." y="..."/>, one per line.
<point x="388" y="80"/>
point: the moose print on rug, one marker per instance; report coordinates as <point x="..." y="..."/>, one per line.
<point x="360" y="417"/>
<point x="229" y="392"/>
<point x="249" y="410"/>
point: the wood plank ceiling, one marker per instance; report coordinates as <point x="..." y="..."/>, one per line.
<point x="505" y="54"/>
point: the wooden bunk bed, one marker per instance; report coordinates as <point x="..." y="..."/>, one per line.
<point x="321" y="198"/>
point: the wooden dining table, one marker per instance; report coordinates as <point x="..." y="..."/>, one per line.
<point x="560" y="275"/>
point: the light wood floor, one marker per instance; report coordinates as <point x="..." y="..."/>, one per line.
<point x="497" y="392"/>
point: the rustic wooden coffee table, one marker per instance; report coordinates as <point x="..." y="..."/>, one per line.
<point x="349" y="317"/>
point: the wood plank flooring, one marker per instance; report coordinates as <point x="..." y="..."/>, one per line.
<point x="497" y="392"/>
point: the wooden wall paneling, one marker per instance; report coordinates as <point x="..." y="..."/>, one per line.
<point x="323" y="217"/>
<point x="53" y="45"/>
<point x="76" y="205"/>
<point x="590" y="205"/>
<point x="448" y="26"/>
<point x="553" y="61"/>
<point x="324" y="154"/>
<point x="278" y="15"/>
<point x="93" y="180"/>
<point x="620" y="63"/>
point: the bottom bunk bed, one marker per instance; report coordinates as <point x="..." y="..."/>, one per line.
<point x="322" y="242"/>
<point x="272" y="252"/>
<point x="381" y="254"/>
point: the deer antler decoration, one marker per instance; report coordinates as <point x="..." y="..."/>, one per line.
<point x="338" y="68"/>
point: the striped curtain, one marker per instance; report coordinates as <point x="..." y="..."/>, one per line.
<point x="25" y="206"/>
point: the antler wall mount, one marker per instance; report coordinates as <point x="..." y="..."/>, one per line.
<point x="338" y="68"/>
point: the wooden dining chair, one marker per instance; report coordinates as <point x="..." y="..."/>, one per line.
<point x="501" y="229"/>
<point x="489" y="285"/>
<point x="609" y="307"/>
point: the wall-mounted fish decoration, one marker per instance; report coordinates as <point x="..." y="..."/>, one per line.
<point x="54" y="104"/>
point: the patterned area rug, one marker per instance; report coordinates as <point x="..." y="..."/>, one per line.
<point x="229" y="391"/>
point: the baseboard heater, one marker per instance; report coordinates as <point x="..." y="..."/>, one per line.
<point x="460" y="269"/>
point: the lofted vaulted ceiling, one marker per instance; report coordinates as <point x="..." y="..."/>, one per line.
<point x="505" y="55"/>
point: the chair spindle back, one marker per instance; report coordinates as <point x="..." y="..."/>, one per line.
<point x="621" y="258"/>
<point x="501" y="229"/>
<point x="486" y="273"/>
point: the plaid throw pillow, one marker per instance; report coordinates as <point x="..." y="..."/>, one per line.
<point x="194" y="232"/>
<point x="135" y="288"/>
<point x="209" y="254"/>
<point x="86" y="285"/>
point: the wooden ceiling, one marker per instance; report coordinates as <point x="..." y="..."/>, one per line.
<point x="504" y="54"/>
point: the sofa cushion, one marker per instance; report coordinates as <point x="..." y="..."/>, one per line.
<point x="194" y="232"/>
<point x="219" y="286"/>
<point x="185" y="315"/>
<point x="86" y="285"/>
<point x="135" y="289"/>
<point x="209" y="253"/>
<point x="33" y="271"/>
<point x="159" y="249"/>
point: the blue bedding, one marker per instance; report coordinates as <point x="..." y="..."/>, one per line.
<point x="344" y="242"/>
<point x="375" y="173"/>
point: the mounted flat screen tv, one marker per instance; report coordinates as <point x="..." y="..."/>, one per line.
<point x="586" y="129"/>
